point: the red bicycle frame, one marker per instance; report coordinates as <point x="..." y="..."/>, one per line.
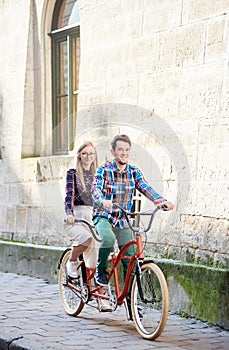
<point x="112" y="271"/>
<point x="115" y="260"/>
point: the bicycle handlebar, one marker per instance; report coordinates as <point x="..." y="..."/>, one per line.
<point x="126" y="214"/>
<point x="137" y="214"/>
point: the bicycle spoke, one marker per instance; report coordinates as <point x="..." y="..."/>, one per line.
<point x="71" y="299"/>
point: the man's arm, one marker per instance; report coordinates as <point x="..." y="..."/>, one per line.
<point x="142" y="186"/>
<point x="97" y="189"/>
<point x="97" y="186"/>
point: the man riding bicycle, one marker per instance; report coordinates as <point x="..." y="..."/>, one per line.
<point x="115" y="181"/>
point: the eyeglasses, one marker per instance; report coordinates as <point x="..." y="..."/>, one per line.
<point x="85" y="154"/>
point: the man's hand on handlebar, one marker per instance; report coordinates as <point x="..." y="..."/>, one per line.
<point x="107" y="204"/>
<point x="166" y="205"/>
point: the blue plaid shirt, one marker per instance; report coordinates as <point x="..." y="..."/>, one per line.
<point x="112" y="184"/>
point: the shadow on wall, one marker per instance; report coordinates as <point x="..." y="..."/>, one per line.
<point x="31" y="129"/>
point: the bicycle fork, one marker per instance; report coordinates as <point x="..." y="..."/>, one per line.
<point x="138" y="277"/>
<point x="149" y="284"/>
<point x="138" y="273"/>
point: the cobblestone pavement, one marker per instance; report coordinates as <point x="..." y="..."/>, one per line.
<point x="32" y="318"/>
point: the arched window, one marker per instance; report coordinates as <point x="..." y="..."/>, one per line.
<point x="65" y="36"/>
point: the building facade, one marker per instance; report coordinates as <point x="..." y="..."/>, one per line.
<point x="90" y="69"/>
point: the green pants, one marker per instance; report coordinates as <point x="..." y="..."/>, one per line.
<point x="108" y="234"/>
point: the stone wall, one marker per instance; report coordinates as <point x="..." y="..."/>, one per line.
<point x="155" y="70"/>
<point x="162" y="77"/>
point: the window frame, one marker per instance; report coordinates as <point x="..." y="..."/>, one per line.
<point x="66" y="34"/>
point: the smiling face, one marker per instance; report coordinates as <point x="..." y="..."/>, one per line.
<point x="121" y="153"/>
<point x="87" y="157"/>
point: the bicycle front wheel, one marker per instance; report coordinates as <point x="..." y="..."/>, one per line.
<point x="70" y="298"/>
<point x="150" y="301"/>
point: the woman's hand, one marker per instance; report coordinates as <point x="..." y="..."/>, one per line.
<point x="70" y="219"/>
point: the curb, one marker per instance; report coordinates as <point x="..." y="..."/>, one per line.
<point x="31" y="260"/>
<point x="19" y="343"/>
<point x="190" y="285"/>
<point x="10" y="345"/>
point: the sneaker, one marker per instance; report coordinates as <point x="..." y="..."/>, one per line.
<point x="101" y="278"/>
<point x="71" y="267"/>
<point x="103" y="305"/>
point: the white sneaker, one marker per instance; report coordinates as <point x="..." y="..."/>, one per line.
<point x="72" y="268"/>
<point x="103" y="305"/>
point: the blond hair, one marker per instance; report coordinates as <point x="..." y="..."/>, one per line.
<point x="79" y="168"/>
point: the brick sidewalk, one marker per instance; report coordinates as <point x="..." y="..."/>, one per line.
<point x="32" y="318"/>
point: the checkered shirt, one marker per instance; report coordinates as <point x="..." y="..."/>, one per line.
<point x="75" y="194"/>
<point x="112" y="184"/>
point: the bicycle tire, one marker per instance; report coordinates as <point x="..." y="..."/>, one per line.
<point x="71" y="301"/>
<point x="150" y="312"/>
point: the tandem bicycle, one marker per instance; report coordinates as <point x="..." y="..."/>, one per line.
<point x="149" y="298"/>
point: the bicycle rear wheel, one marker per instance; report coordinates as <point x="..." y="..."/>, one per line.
<point x="150" y="301"/>
<point x="70" y="299"/>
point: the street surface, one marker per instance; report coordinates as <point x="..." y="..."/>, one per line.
<point x="32" y="318"/>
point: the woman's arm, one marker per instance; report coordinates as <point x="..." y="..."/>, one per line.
<point x="69" y="190"/>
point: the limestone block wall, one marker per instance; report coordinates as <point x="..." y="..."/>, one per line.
<point x="32" y="205"/>
<point x="156" y="70"/>
<point x="162" y="76"/>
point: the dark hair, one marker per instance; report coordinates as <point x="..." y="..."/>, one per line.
<point x="124" y="138"/>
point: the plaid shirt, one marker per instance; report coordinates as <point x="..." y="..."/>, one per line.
<point x="75" y="194"/>
<point x="112" y="184"/>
